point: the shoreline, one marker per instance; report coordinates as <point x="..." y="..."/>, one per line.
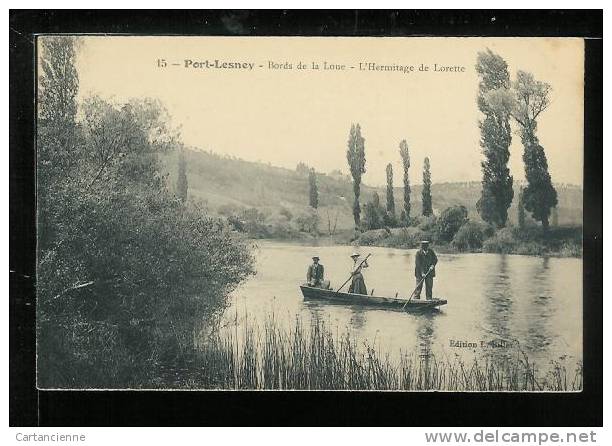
<point x="440" y="248"/>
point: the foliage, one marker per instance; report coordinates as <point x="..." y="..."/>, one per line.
<point x="389" y="220"/>
<point x="317" y="356"/>
<point x="450" y="221"/>
<point x="428" y="224"/>
<point x="373" y="237"/>
<point x="503" y="242"/>
<point x="539" y="195"/>
<point x="372" y="216"/>
<point x="355" y="156"/>
<point x="532" y="98"/>
<point x="389" y="195"/>
<point x="126" y="274"/>
<point x="308" y="221"/>
<point x="521" y="209"/>
<point x="470" y="236"/>
<point x="375" y="216"/>
<point x="404" y="153"/>
<point x="313" y="195"/>
<point x="181" y="182"/>
<point x="495" y="139"/>
<point x="426" y="193"/>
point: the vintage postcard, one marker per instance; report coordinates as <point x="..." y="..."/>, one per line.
<point x="310" y="213"/>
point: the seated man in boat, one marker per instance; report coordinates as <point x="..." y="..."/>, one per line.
<point x="316" y="273"/>
<point x="425" y="270"/>
<point x="358" y="285"/>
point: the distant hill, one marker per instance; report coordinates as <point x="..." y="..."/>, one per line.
<point x="222" y="181"/>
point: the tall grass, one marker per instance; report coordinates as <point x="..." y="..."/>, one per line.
<point x="314" y="357"/>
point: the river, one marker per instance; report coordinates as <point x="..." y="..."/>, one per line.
<point x="495" y="302"/>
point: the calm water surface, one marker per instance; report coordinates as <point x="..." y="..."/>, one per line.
<point x="505" y="299"/>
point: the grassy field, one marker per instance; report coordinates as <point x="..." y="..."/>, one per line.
<point x="317" y="358"/>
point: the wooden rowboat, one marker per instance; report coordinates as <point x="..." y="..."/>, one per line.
<point x="314" y="293"/>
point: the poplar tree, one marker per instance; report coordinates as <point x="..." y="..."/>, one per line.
<point x="521" y="210"/>
<point x="313" y="190"/>
<point x="426" y="195"/>
<point x="390" y="198"/>
<point x="355" y="156"/>
<point x="532" y="98"/>
<point x="495" y="138"/>
<point x="406" y="165"/>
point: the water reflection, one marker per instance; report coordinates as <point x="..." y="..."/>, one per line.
<point x="538" y="333"/>
<point x="358" y="317"/>
<point x="498" y="298"/>
<point x="425" y="332"/>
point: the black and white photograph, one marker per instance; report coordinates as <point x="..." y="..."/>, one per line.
<point x="309" y="213"/>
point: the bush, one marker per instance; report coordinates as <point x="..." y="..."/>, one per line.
<point x="450" y="221"/>
<point x="502" y="242"/>
<point x="426" y="223"/>
<point x="373" y="237"/>
<point x="470" y="236"/>
<point x="307" y="221"/>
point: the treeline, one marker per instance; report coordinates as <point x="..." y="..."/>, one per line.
<point x="500" y="101"/>
<point x="129" y="269"/>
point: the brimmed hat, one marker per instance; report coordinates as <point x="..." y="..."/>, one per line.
<point x="424" y="242"/>
<point x="315" y="257"/>
<point x="355" y="254"/>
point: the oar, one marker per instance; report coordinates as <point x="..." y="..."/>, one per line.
<point x="347" y="280"/>
<point x="415" y="288"/>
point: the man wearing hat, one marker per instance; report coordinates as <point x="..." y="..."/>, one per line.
<point x="315" y="273"/>
<point x="425" y="267"/>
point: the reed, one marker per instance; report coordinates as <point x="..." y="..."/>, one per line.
<point x="314" y="357"/>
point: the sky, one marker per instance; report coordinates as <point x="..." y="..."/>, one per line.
<point x="286" y="116"/>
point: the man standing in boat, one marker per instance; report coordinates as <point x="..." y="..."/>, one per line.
<point x="425" y="270"/>
<point x="316" y="273"/>
<point x="357" y="283"/>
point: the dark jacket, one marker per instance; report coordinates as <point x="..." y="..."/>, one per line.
<point x="423" y="261"/>
<point x="315" y="272"/>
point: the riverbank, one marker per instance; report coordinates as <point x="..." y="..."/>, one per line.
<point x="318" y="357"/>
<point x="559" y="242"/>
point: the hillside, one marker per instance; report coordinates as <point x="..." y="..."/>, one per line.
<point x="222" y="182"/>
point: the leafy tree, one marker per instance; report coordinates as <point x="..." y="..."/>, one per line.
<point x="372" y="216"/>
<point x="126" y="275"/>
<point x="426" y="193"/>
<point x="356" y="160"/>
<point x="313" y="191"/>
<point x="495" y="138"/>
<point x="181" y="182"/>
<point x="390" y="198"/>
<point x="57" y="107"/>
<point x="451" y="219"/>
<point x="532" y="98"/>
<point x="307" y="221"/>
<point x="521" y="209"/>
<point x="406" y="165"/>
